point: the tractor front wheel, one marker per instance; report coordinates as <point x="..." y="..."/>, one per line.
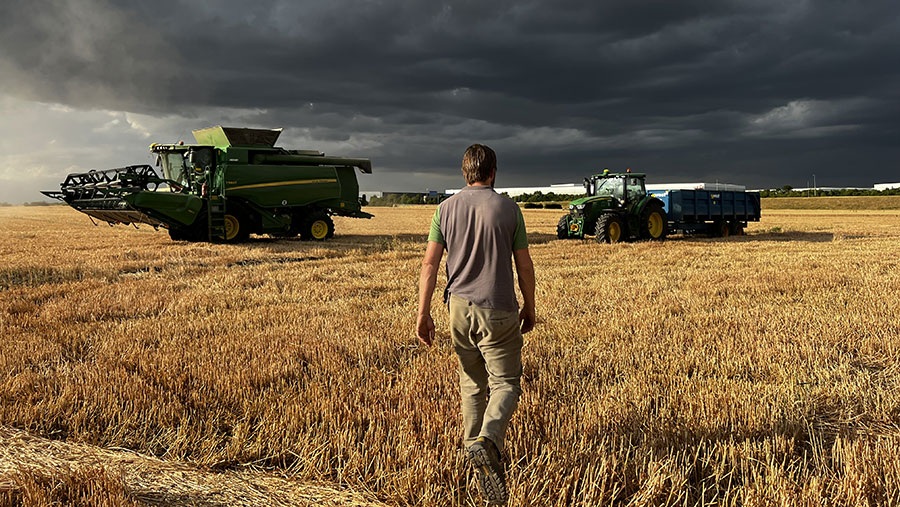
<point x="318" y="226"/>
<point x="610" y="229"/>
<point x="562" y="227"/>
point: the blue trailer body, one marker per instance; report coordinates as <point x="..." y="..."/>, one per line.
<point x="704" y="210"/>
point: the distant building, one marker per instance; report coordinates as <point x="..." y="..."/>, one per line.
<point x="427" y="197"/>
<point x="578" y="188"/>
<point x="730" y="187"/>
<point x="886" y="186"/>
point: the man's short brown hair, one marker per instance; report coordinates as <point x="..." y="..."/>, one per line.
<point x="478" y="163"/>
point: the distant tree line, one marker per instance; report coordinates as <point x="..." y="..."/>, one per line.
<point x="32" y="203"/>
<point x="788" y="191"/>
<point x="411" y="198"/>
<point x="548" y="197"/>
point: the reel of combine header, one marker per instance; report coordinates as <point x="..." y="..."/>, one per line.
<point x="101" y="194"/>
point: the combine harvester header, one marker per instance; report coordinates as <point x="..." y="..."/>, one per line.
<point x="232" y="183"/>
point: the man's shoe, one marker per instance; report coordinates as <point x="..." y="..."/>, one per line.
<point x="485" y="458"/>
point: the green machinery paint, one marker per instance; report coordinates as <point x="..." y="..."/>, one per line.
<point x="232" y="183"/>
<point x="616" y="208"/>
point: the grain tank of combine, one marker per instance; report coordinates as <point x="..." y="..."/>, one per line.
<point x="232" y="183"/>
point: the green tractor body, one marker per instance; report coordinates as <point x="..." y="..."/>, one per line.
<point x="616" y="208"/>
<point x="234" y="182"/>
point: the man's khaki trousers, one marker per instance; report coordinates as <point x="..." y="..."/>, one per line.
<point x="488" y="344"/>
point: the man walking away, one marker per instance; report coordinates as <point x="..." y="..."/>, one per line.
<point x="483" y="232"/>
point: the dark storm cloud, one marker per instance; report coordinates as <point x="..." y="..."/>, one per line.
<point x="761" y="92"/>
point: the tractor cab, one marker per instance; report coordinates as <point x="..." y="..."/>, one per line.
<point x="627" y="188"/>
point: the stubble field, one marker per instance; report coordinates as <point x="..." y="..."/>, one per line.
<point x="754" y="370"/>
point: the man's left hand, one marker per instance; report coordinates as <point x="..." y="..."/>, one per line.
<point x="527" y="318"/>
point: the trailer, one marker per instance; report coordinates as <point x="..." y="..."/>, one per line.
<point x="719" y="213"/>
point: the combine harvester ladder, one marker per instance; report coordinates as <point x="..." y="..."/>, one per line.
<point x="216" y="215"/>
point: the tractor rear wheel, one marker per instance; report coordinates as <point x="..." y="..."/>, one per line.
<point x="610" y="229"/>
<point x="317" y="226"/>
<point x="653" y="222"/>
<point x="562" y="227"/>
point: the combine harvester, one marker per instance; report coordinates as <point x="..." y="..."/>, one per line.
<point x="619" y="207"/>
<point x="232" y="183"/>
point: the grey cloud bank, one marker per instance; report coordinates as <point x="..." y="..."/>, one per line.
<point x="755" y="92"/>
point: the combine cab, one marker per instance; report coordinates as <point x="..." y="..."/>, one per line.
<point x="234" y="182"/>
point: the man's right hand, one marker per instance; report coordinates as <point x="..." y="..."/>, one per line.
<point x="425" y="328"/>
<point x="527" y="318"/>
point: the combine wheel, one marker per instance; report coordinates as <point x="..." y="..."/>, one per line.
<point x="610" y="229"/>
<point x="562" y="227"/>
<point x="178" y="234"/>
<point x="186" y="233"/>
<point x="653" y="222"/>
<point x="317" y="226"/>
<point x="237" y="227"/>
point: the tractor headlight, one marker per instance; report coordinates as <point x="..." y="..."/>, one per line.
<point x="579" y="207"/>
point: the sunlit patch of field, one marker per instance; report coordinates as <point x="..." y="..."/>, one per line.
<point x="760" y="369"/>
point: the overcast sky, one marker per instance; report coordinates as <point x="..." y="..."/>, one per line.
<point x="758" y="92"/>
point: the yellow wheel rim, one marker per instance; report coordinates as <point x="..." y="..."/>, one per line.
<point x="232" y="227"/>
<point x="319" y="229"/>
<point x="655" y="225"/>
<point x="615" y="232"/>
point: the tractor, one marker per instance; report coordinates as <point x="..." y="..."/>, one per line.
<point x="616" y="208"/>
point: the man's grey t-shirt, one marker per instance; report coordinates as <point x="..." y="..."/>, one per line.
<point x="480" y="229"/>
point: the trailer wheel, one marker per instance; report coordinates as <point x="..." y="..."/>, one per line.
<point x="562" y="227"/>
<point x="719" y="229"/>
<point x="653" y="222"/>
<point x="736" y="229"/>
<point x="318" y="226"/>
<point x="610" y="229"/>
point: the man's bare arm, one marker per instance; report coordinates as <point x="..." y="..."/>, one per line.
<point x="427" y="279"/>
<point x="525" y="270"/>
